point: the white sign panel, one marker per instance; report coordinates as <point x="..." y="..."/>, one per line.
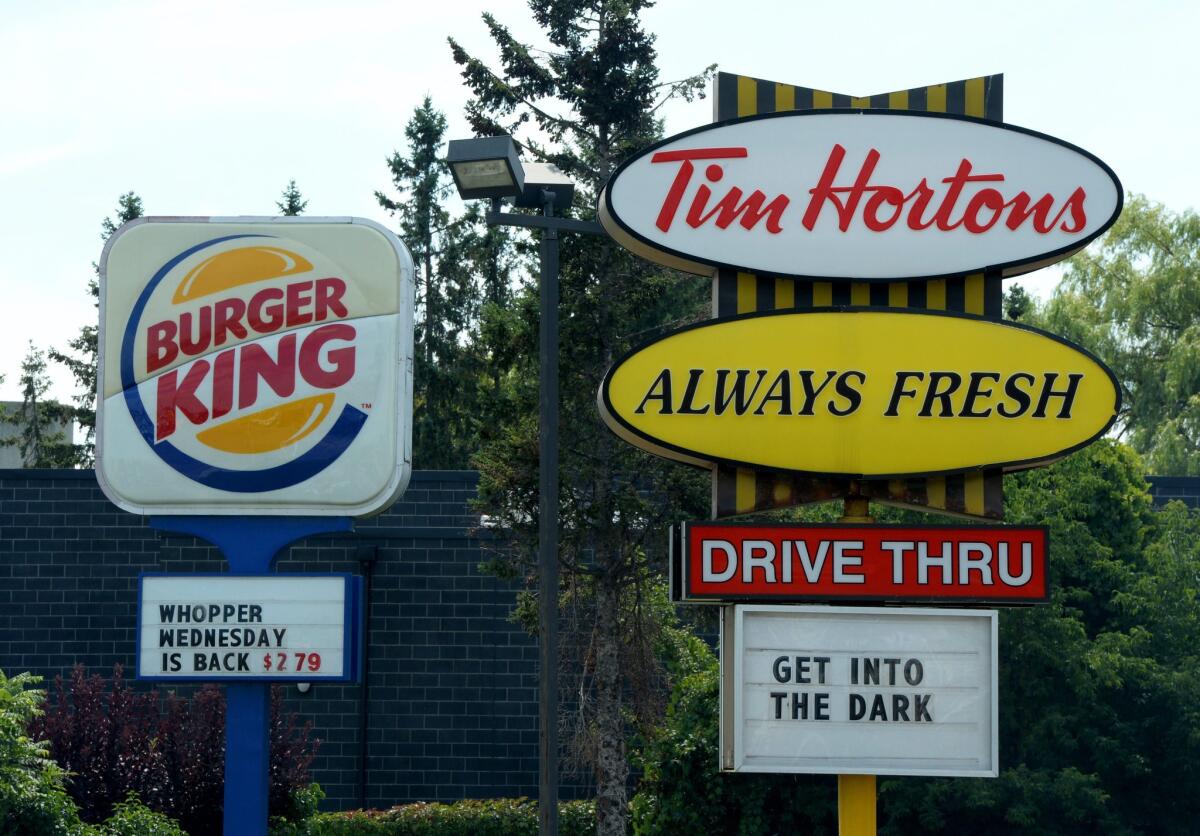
<point x="247" y="627"/>
<point x="859" y="691"/>
<point x="866" y="195"/>
<point x="254" y="366"/>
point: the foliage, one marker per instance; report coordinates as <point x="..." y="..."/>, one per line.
<point x="32" y="799"/>
<point x="585" y="104"/>
<point x="1134" y="300"/>
<point x="80" y="358"/>
<point x="40" y="443"/>
<point x="1099" y="725"/>
<point x="486" y="817"/>
<point x="291" y="203"/>
<point x="133" y="818"/>
<point x="113" y="741"/>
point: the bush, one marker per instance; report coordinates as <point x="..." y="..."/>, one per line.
<point x="32" y="798"/>
<point x="170" y="752"/>
<point x="488" y="817"/>
<point x="133" y="818"/>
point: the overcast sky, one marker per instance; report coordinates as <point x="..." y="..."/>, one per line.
<point x="210" y="107"/>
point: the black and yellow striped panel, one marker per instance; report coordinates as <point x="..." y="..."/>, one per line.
<point x="743" y="491"/>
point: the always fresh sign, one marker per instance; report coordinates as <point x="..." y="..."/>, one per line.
<point x="866" y="195"/>
<point x="859" y="392"/>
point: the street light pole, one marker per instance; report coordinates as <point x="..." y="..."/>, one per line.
<point x="548" y="397"/>
<point x="548" y="529"/>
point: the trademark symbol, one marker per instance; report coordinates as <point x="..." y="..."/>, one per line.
<point x="365" y="406"/>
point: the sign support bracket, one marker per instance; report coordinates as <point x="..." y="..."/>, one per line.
<point x="250" y="545"/>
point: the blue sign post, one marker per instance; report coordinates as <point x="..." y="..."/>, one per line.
<point x="250" y="544"/>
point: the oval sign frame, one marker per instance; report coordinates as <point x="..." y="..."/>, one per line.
<point x="625" y="235"/>
<point x="620" y="426"/>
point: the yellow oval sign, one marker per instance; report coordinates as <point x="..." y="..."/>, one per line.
<point x="860" y="392"/>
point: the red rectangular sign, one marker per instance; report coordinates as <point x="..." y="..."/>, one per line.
<point x="720" y="561"/>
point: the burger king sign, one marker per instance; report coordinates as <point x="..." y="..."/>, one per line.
<point x="254" y="366"/>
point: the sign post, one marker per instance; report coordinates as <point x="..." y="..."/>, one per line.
<point x="254" y="388"/>
<point x="856" y="247"/>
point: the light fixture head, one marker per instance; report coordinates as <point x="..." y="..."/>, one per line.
<point x="485" y="167"/>
<point x="541" y="178"/>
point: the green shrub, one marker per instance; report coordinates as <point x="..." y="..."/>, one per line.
<point x="470" y="817"/>
<point x="133" y="818"/>
<point x="32" y="799"/>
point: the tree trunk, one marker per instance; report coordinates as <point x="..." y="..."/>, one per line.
<point x="612" y="768"/>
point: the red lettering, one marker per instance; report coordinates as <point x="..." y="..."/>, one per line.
<point x="265" y="313"/>
<point x="191" y="346"/>
<point x="227" y="319"/>
<point x="329" y="298"/>
<point x="960" y="179"/>
<point x="1078" y="216"/>
<point x="160" y="345"/>
<point x="883" y="194"/>
<point x="916" y="212"/>
<point x="278" y="373"/>
<point x="825" y="190"/>
<point x="989" y="199"/>
<point x="341" y="359"/>
<point x="183" y="398"/>
<point x="224" y="367"/>
<point x="683" y="176"/>
<point x="297" y="301"/>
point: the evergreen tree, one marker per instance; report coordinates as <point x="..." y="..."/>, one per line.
<point x="585" y="105"/>
<point x="291" y="203"/>
<point x="446" y="257"/>
<point x="80" y="359"/>
<point x="37" y="437"/>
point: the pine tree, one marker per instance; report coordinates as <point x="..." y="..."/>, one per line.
<point x="291" y="204"/>
<point x="40" y="442"/>
<point x="585" y="105"/>
<point x="447" y="258"/>
<point x="80" y="358"/>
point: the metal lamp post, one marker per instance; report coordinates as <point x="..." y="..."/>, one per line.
<point x="489" y="167"/>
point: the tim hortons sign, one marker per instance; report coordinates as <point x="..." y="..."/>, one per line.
<point x="254" y="365"/>
<point x="859" y="392"/>
<point x="864" y="195"/>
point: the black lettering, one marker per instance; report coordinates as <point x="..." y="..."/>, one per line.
<point x="921" y="708"/>
<point x="243" y="662"/>
<point x="778" y="698"/>
<point x="891" y="664"/>
<point x="228" y="611"/>
<point x="858" y="706"/>
<point x="255" y="612"/>
<point x="853" y="396"/>
<point x="821" y="707"/>
<point x="854" y="670"/>
<point x="871" y="671"/>
<point x="898" y="392"/>
<point x="176" y="662"/>
<point x="781" y="670"/>
<point x="802" y="669"/>
<point x="214" y="610"/>
<point x="974" y="392"/>
<point x="799" y="705"/>
<point x="821" y="661"/>
<point x="199" y="661"/>
<point x="660" y="390"/>
<point x="914" y="671"/>
<point x="279" y="633"/>
<point x="899" y="707"/>
<point x="783" y="383"/>
<point x="1013" y="391"/>
<point x="1067" y="395"/>
<point x="166" y="638"/>
<point x="810" y="394"/>
<point x="878" y="711"/>
<point x="936" y="393"/>
<point x="738" y="393"/>
<point x="166" y="613"/>
<point x="689" y="394"/>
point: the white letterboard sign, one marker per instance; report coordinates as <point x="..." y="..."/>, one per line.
<point x="855" y="690"/>
<point x="262" y="628"/>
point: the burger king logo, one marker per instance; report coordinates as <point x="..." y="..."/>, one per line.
<point x="251" y="362"/>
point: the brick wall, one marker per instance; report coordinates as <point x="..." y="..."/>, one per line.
<point x="452" y="699"/>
